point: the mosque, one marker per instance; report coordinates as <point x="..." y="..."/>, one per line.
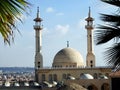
<point x="68" y="65"/>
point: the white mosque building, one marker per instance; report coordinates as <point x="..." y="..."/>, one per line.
<point x="68" y="64"/>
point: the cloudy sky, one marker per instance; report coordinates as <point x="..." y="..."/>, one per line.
<point x="63" y="20"/>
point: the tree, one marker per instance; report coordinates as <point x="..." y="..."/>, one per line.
<point x="110" y="31"/>
<point x="10" y="12"/>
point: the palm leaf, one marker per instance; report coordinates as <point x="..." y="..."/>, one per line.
<point x="110" y="31"/>
<point x="106" y="33"/>
<point x="112" y="19"/>
<point x="10" y="12"/>
<point x="112" y="56"/>
<point x="112" y="2"/>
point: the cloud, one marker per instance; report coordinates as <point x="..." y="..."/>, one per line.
<point x="56" y="31"/>
<point x="60" y="14"/>
<point x="45" y="31"/>
<point x="50" y="10"/>
<point x="62" y="29"/>
<point x="81" y="23"/>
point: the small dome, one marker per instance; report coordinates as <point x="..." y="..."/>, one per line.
<point x="103" y="77"/>
<point x="86" y="76"/>
<point x="71" y="78"/>
<point x="68" y="57"/>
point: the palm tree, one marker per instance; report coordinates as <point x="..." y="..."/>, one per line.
<point x="10" y="12"/>
<point x="108" y="32"/>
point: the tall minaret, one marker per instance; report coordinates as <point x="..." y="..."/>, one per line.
<point x="38" y="42"/>
<point x="90" y="59"/>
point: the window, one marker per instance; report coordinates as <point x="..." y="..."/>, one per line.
<point x="55" y="77"/>
<point x="95" y="76"/>
<point x="64" y="76"/>
<point x="38" y="64"/>
<point x="50" y="77"/>
<point x="90" y="23"/>
<point x="68" y="75"/>
<point x="43" y="77"/>
<point x="105" y="86"/>
<point x="91" y="65"/>
<point x="91" y="61"/>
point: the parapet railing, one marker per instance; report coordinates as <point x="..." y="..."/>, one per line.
<point x="83" y="67"/>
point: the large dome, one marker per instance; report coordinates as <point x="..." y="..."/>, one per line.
<point x="68" y="57"/>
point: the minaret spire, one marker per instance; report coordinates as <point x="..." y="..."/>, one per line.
<point x="38" y="41"/>
<point x="37" y="12"/>
<point x="89" y="14"/>
<point x="90" y="59"/>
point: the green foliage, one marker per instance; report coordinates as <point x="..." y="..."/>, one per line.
<point x="10" y="12"/>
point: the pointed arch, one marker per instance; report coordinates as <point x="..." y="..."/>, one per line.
<point x="92" y="87"/>
<point x="105" y="86"/>
<point x="95" y="76"/>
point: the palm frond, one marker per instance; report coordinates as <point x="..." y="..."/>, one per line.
<point x="112" y="56"/>
<point x="106" y="33"/>
<point x="112" y="2"/>
<point x="10" y="12"/>
<point x="113" y="19"/>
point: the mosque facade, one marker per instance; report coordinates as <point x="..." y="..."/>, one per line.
<point x="68" y="65"/>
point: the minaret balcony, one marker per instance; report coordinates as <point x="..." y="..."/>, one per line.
<point x="88" y="27"/>
<point x="36" y="27"/>
<point x="38" y="19"/>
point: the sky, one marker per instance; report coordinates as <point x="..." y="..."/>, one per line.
<point x="63" y="20"/>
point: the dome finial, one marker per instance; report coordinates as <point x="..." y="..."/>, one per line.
<point x="67" y="43"/>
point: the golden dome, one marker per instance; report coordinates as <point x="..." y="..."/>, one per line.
<point x="68" y="57"/>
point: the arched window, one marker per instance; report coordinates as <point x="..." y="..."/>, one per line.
<point x="100" y="74"/>
<point x="55" y="77"/>
<point x="38" y="64"/>
<point x="43" y="77"/>
<point x="64" y="76"/>
<point x="105" y="86"/>
<point x="91" y="65"/>
<point x="95" y="76"/>
<point x="92" y="87"/>
<point x="50" y="77"/>
<point x="91" y="61"/>
<point x="81" y="74"/>
<point x="68" y="75"/>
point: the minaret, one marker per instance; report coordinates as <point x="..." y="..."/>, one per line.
<point x="90" y="59"/>
<point x="38" y="41"/>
